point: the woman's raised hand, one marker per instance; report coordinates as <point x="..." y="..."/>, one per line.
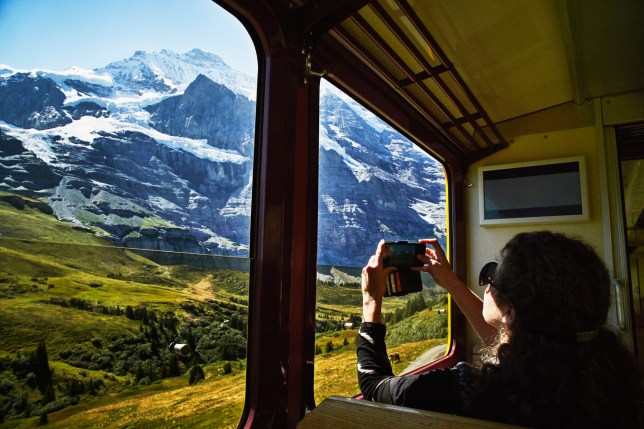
<point x="374" y="284"/>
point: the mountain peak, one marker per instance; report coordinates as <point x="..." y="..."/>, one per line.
<point x="166" y="71"/>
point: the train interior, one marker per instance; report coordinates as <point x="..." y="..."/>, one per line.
<point x="481" y="84"/>
<point x="508" y="82"/>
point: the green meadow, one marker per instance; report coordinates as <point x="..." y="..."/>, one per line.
<point x="84" y="329"/>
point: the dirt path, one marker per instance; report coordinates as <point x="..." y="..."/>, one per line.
<point x="203" y="289"/>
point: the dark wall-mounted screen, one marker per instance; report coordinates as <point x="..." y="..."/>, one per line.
<point x="542" y="191"/>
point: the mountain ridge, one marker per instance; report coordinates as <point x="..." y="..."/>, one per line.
<point x="154" y="152"/>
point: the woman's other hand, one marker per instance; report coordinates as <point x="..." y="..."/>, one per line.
<point x="470" y="304"/>
<point x="437" y="265"/>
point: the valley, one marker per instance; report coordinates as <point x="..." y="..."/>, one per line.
<point x="104" y="317"/>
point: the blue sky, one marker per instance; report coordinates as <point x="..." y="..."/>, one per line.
<point x="59" y="34"/>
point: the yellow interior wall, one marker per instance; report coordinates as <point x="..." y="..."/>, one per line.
<point x="485" y="243"/>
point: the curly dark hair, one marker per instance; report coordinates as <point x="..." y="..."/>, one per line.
<point x="549" y="377"/>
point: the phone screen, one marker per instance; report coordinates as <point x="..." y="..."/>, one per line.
<point x="403" y="254"/>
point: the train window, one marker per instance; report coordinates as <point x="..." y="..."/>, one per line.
<point x="124" y="212"/>
<point x="373" y="184"/>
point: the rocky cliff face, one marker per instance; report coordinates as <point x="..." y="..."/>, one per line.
<point x="207" y="110"/>
<point x="176" y="174"/>
<point x="374" y="184"/>
<point x="32" y="102"/>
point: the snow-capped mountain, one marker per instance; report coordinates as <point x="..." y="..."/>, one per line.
<point x="166" y="71"/>
<point x="155" y="151"/>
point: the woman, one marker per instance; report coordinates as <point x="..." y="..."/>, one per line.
<point x="552" y="363"/>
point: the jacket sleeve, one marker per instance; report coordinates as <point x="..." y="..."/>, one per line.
<point x="435" y="390"/>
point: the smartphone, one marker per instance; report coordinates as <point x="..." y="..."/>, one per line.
<point x="403" y="255"/>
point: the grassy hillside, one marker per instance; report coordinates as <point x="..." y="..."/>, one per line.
<point x="105" y="316"/>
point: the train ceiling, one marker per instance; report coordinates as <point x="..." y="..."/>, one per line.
<point x="466" y="67"/>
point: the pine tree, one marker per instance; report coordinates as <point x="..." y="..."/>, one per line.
<point x="41" y="367"/>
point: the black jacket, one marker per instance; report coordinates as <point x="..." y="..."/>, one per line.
<point x="447" y="390"/>
<point x="452" y="391"/>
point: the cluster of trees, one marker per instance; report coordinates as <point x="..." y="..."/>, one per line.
<point x="329" y="346"/>
<point x="140" y="313"/>
<point x="85" y="305"/>
<point x="145" y="356"/>
<point x="218" y="332"/>
<point x="219" y="336"/>
<point x="403" y="330"/>
<point x="322" y="325"/>
<point x="406" y="330"/>
<point x="409" y="331"/>
<point x="417" y="303"/>
<point x="214" y="331"/>
<point x="325" y="324"/>
<point x="33" y="369"/>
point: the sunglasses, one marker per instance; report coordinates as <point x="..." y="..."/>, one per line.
<point x="486" y="276"/>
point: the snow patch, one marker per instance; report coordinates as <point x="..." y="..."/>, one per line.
<point x="89" y="128"/>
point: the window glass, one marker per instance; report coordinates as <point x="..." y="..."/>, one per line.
<point x="374" y="184"/>
<point x="126" y="159"/>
